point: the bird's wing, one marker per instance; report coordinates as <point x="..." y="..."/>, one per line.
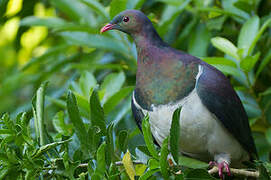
<point x="217" y="94"/>
<point x="137" y="113"/>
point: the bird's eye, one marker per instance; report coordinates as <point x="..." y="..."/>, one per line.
<point x="125" y="19"/>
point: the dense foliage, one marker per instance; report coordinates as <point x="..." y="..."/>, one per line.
<point x="65" y="89"/>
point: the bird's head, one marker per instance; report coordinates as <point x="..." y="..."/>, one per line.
<point x="129" y="21"/>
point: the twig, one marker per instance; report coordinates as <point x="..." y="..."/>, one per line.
<point x="214" y="170"/>
<point x="119" y="163"/>
<point x="240" y="172"/>
<point x="83" y="165"/>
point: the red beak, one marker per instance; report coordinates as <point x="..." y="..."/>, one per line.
<point x="107" y="28"/>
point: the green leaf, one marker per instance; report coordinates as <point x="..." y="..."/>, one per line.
<point x="46" y="147"/>
<point x="260" y="32"/>
<point x="268" y="135"/>
<point x="266" y="92"/>
<point x="249" y="62"/>
<point x="247" y="34"/>
<point x="175" y="134"/>
<point x="97" y="7"/>
<point x="123" y="140"/>
<point x="52" y="22"/>
<point x="219" y="60"/>
<point x="199" y="41"/>
<point x="77" y="122"/>
<point x="264" y="62"/>
<point x="5" y="131"/>
<point x="153" y="164"/>
<point x="140" y="169"/>
<point x="38" y="111"/>
<point x="198" y="174"/>
<point x="96" y="41"/>
<point x="135" y="4"/>
<point x="75" y="10"/>
<point x="148" y="174"/>
<point x="225" y="46"/>
<point x="110" y="144"/>
<point x="87" y="82"/>
<point x="49" y="53"/>
<point x="113" y="101"/>
<point x="101" y="167"/>
<point x="112" y="84"/>
<point x="172" y="2"/>
<point x="59" y="124"/>
<point x="3" y="7"/>
<point x="116" y="6"/>
<point x="263" y="173"/>
<point x="192" y="163"/>
<point x="83" y="104"/>
<point x="146" y="129"/>
<point x="96" y="112"/>
<point x="8" y="122"/>
<point x="163" y="159"/>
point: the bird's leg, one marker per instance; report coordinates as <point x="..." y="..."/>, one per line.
<point x="221" y="166"/>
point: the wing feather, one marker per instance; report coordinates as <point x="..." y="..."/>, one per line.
<point x="217" y="94"/>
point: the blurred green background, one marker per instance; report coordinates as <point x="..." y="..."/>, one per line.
<point x="59" y="41"/>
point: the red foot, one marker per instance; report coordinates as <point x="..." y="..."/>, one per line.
<point x="220" y="167"/>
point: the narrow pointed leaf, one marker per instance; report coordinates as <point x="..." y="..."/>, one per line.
<point x="148" y="137"/>
<point x="76" y="120"/>
<point x="148" y="174"/>
<point x="163" y="159"/>
<point x="175" y="134"/>
<point x="96" y="112"/>
<point x="101" y="167"/>
<point x="38" y="110"/>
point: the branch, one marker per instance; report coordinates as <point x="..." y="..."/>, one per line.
<point x="214" y="170"/>
<point x="240" y="172"/>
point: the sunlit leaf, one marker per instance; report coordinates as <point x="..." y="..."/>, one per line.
<point x="225" y="46"/>
<point x="247" y="34"/>
<point x="128" y="165"/>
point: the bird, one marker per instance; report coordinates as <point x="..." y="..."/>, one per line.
<point x="214" y="126"/>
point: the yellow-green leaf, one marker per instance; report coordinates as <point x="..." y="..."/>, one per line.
<point x="128" y="165"/>
<point x="140" y="169"/>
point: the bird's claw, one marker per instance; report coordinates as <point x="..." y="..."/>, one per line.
<point x="221" y="167"/>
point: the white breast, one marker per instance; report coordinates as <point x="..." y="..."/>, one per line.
<point x="202" y="135"/>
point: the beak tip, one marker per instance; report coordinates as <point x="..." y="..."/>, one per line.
<point x="107" y="27"/>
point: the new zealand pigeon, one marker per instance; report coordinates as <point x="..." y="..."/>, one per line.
<point x="213" y="122"/>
